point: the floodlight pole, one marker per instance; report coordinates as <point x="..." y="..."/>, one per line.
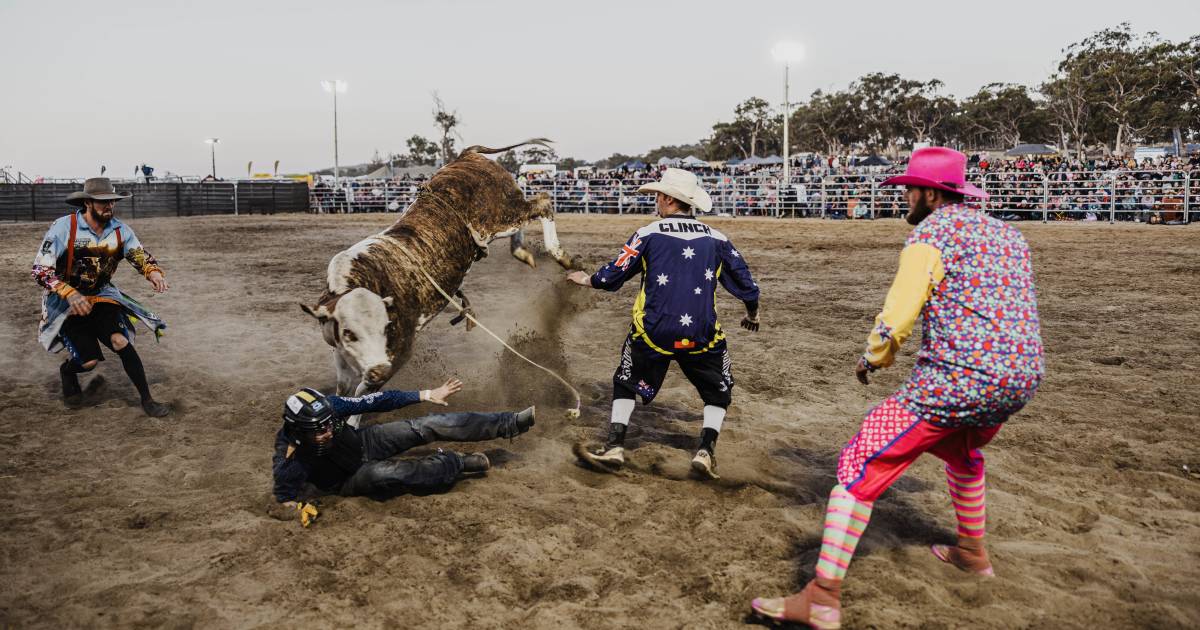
<point x="336" y="166"/>
<point x="785" y="53"/>
<point x="335" y="86"/>
<point x="787" y="159"/>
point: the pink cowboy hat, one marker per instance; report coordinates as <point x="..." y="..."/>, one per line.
<point x="937" y="167"/>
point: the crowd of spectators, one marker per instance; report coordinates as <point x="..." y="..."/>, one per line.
<point x="1053" y="187"/>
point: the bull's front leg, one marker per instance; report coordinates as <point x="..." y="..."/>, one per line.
<point x="466" y="310"/>
<point x="362" y="390"/>
<point x="347" y="377"/>
<point x="516" y="246"/>
<point x="550" y="238"/>
<point x="544" y="209"/>
<point x="349" y="383"/>
<point x="401" y="351"/>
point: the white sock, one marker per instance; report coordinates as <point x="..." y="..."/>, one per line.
<point x="713" y="417"/>
<point x="622" y="409"/>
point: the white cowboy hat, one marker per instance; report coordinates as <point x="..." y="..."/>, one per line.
<point x="682" y="185"/>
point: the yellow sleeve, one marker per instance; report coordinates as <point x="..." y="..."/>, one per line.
<point x="920" y="270"/>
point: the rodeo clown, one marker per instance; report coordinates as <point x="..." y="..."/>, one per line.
<point x="681" y="261"/>
<point x="81" y="309"/>
<point x="316" y="446"/>
<point x="970" y="278"/>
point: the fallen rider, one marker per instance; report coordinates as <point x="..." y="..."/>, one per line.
<point x="315" y="446"/>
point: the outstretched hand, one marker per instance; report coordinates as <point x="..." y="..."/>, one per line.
<point x="158" y="281"/>
<point x="449" y="388"/>
<point x="581" y="278"/>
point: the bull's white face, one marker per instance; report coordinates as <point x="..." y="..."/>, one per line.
<point x="362" y="320"/>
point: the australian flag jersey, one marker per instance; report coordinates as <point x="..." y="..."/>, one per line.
<point x="681" y="261"/>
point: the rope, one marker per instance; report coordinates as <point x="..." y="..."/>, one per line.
<point x="572" y="413"/>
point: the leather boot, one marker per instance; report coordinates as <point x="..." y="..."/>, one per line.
<point x="476" y="463"/>
<point x="818" y="604"/>
<point x="969" y="555"/>
<point x="525" y="419"/>
<point x="72" y="392"/>
<point x="155" y="409"/>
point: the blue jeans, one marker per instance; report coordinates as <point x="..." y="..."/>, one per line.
<point x="380" y="475"/>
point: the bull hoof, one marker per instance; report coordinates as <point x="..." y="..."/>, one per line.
<point x="458" y="319"/>
<point x="575" y="263"/>
<point x="525" y="256"/>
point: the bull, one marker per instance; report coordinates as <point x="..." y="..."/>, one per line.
<point x="377" y="296"/>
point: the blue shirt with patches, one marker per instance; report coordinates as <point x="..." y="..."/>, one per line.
<point x="95" y="255"/>
<point x="681" y="261"/>
<point x="344" y="456"/>
<point x="95" y="259"/>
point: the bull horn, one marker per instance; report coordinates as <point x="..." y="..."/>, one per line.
<point x="320" y="313"/>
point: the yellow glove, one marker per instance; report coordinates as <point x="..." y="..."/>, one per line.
<point x="308" y="513"/>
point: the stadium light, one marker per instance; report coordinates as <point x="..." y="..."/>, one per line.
<point x="334" y="87"/>
<point x="212" y="144"/>
<point x="787" y="53"/>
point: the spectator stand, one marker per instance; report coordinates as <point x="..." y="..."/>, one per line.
<point x="1019" y="190"/>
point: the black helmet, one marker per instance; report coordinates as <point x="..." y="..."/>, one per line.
<point x="307" y="412"/>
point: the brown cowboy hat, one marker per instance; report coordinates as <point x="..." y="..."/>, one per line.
<point x="96" y="189"/>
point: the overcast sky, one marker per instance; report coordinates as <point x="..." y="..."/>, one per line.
<point x="123" y="83"/>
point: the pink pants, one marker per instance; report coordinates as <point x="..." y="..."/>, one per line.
<point x="892" y="438"/>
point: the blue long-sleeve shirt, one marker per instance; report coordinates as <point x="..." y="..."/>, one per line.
<point x="294" y="466"/>
<point x="681" y="261"/>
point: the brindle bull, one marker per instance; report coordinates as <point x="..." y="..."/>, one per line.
<point x="376" y="296"/>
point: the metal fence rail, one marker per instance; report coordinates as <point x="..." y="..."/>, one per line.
<point x="1167" y="196"/>
<point x="46" y="202"/>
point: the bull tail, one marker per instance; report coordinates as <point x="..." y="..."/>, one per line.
<point x="487" y="151"/>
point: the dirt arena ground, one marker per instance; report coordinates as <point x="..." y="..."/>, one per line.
<point x="110" y="519"/>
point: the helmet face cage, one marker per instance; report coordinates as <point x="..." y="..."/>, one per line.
<point x="304" y="438"/>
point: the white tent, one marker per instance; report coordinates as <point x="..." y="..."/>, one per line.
<point x="387" y="172"/>
<point x="538" y="168"/>
<point x="692" y="160"/>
